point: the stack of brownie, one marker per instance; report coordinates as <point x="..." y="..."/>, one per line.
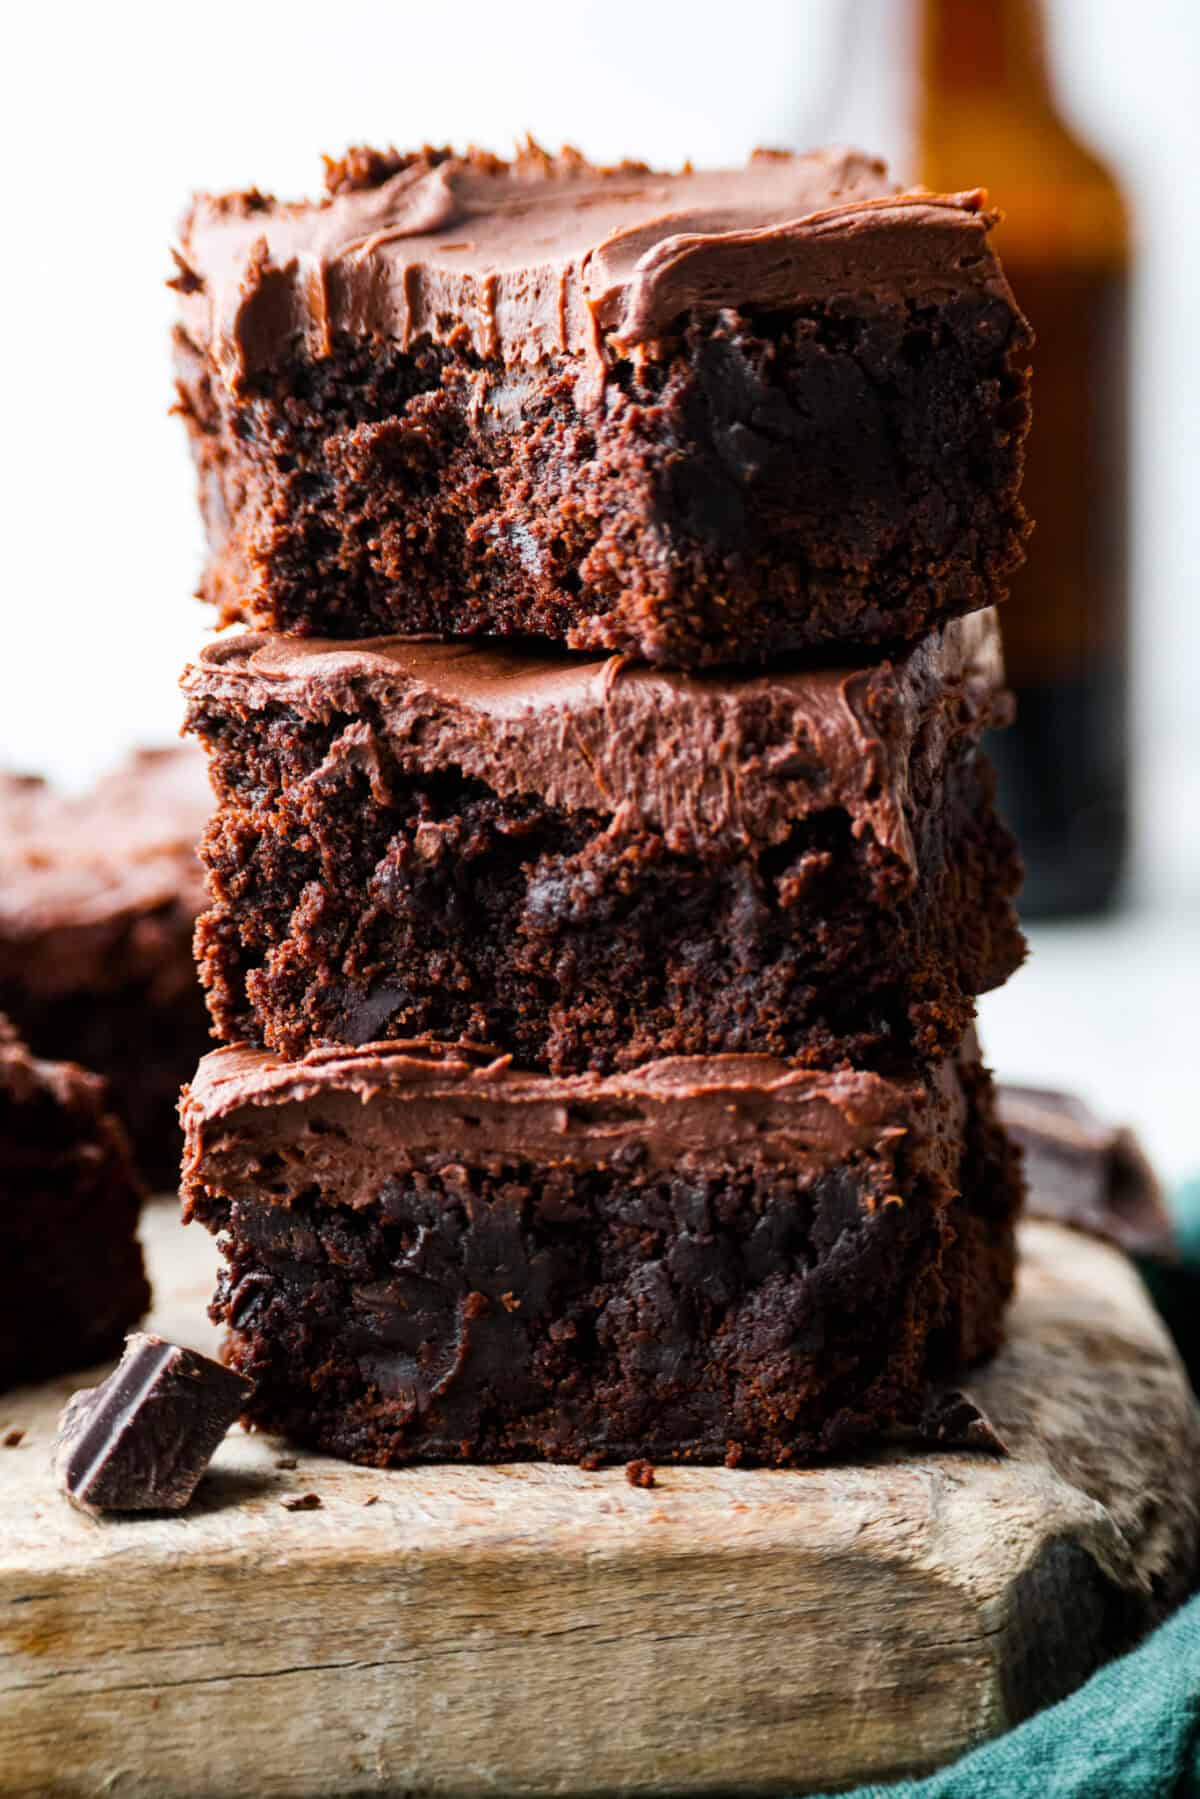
<point x="605" y="866"/>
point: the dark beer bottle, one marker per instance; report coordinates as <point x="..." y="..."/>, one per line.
<point x="958" y="94"/>
<point x="985" y="112"/>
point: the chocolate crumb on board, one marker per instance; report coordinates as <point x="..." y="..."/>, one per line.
<point x="953" y="1420"/>
<point x="14" y="1437"/>
<point x="640" y="1473"/>
<point x="302" y="1502"/>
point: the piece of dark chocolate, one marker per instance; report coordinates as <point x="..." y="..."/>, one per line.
<point x="141" y="1440"/>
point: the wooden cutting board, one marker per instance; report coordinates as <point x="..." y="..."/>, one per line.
<point x="545" y="1630"/>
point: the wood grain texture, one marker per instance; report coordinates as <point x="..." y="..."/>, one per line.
<point x="546" y="1630"/>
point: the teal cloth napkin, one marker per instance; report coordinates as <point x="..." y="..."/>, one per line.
<point x="1133" y="1732"/>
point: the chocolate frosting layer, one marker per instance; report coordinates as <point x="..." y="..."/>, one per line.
<point x="344" y="1117"/>
<point x="694" y="756"/>
<point x="76" y="870"/>
<point x="522" y="260"/>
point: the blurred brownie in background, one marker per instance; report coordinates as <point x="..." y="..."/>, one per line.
<point x="1085" y="1172"/>
<point x="71" y="1275"/>
<point x="99" y="895"/>
<point x="696" y="418"/>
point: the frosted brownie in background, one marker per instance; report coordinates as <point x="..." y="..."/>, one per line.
<point x="71" y="1276"/>
<point x="99" y="895"/>
<point x="1085" y="1172"/>
<point x="698" y="417"/>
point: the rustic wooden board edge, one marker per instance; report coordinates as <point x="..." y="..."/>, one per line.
<point x="538" y="1630"/>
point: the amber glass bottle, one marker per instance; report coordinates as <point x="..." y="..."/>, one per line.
<point x="957" y="93"/>
<point x="985" y="113"/>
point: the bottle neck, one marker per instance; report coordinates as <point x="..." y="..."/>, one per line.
<point x="995" y="48"/>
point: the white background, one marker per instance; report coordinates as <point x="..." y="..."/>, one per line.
<point x="110" y="114"/>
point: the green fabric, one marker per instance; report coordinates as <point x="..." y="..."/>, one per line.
<point x="1133" y="1732"/>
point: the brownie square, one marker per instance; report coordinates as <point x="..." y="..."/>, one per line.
<point x="698" y="418"/>
<point x="71" y="1275"/>
<point x="428" y="1255"/>
<point x="590" y="864"/>
<point x="98" y="901"/>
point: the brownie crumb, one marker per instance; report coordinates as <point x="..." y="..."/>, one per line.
<point x="14" y="1437"/>
<point x="590" y="1463"/>
<point x="302" y="1502"/>
<point x="640" y="1473"/>
<point x="371" y="1499"/>
<point x="954" y="1421"/>
<point x="287" y="1461"/>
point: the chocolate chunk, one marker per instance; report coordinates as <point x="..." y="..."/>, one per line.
<point x="302" y="1502"/>
<point x="141" y="1440"/>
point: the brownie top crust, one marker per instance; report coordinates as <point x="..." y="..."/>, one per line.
<point x="545" y="255"/>
<point x="738" y="756"/>
<point x="331" y="1114"/>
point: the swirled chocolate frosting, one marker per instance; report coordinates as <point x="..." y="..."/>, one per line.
<point x="518" y="261"/>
